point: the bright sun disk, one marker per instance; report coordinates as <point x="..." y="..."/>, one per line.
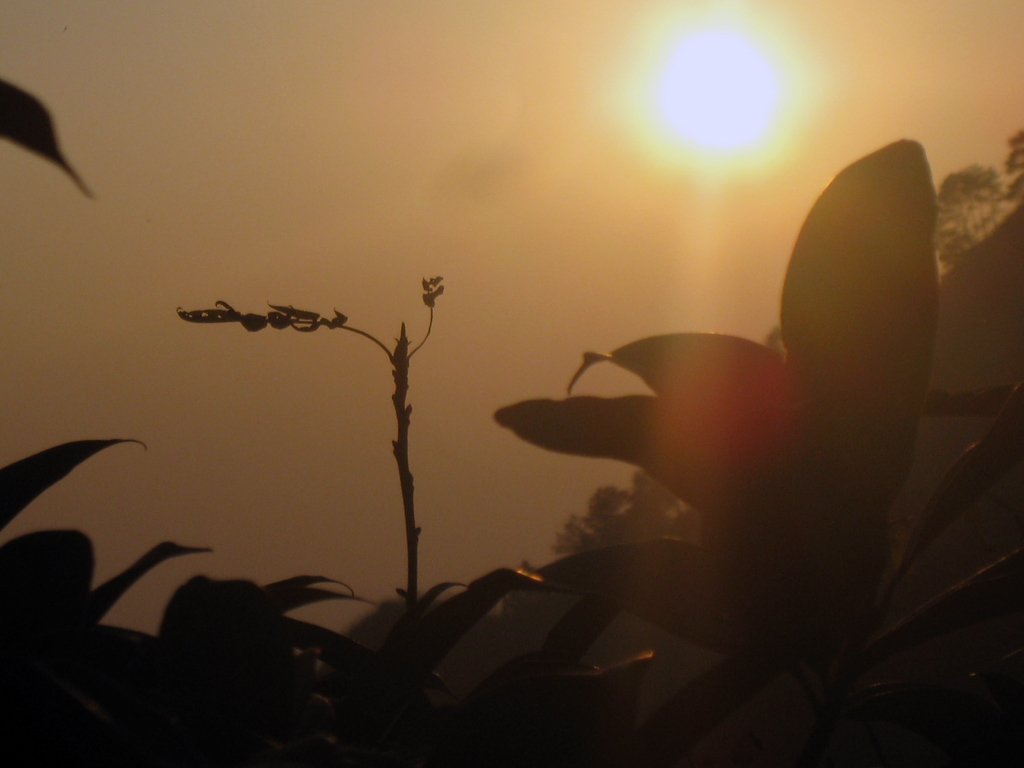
<point x="718" y="90"/>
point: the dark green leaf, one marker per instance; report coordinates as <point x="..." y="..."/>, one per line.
<point x="666" y="581"/>
<point x="956" y="722"/>
<point x="974" y="473"/>
<point x="992" y="592"/>
<point x="23" y="480"/>
<point x="44" y="584"/>
<point x="109" y="592"/>
<point x="299" y="590"/>
<point x="699" y="706"/>
<point x="25" y="121"/>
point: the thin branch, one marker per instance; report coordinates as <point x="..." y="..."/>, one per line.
<point x="430" y="326"/>
<point x="372" y="338"/>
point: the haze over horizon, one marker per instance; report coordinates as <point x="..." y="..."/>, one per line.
<point x="332" y="154"/>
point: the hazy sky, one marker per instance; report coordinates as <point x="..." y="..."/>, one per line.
<point x="330" y="155"/>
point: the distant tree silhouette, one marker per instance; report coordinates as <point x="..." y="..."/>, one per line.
<point x="646" y="510"/>
<point x="971" y="204"/>
<point x="1014" y="167"/>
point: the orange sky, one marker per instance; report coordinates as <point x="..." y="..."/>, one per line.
<point x="331" y="154"/>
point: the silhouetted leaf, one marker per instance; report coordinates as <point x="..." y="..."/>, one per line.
<point x="860" y="300"/>
<point x="541" y="713"/>
<point x="704" y="702"/>
<point x="25" y="121"/>
<point x="956" y="722"/>
<point x="980" y="467"/>
<point x="109" y="592"/>
<point x="413" y="653"/>
<point x="666" y="581"/>
<point x="697" y="361"/>
<point x="44" y="584"/>
<point x="22" y="481"/>
<point x="225" y="657"/>
<point x="414" y="612"/>
<point x="298" y="591"/>
<point x="992" y="592"/>
<point x="859" y="314"/>
<point x="574" y="633"/>
<point x="348" y="657"/>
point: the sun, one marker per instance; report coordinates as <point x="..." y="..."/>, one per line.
<point x="718" y="90"/>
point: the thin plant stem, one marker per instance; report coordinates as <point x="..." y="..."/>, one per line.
<point x="374" y="339"/>
<point x="403" y="412"/>
<point x="430" y="326"/>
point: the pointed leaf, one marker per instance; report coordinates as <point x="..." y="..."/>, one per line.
<point x="414" y="653"/>
<point x="25" y="121"/>
<point x="22" y="481"/>
<point x="698" y="707"/>
<point x="956" y="722"/>
<point x="977" y="470"/>
<point x="109" y="592"/>
<point x="860" y="300"/>
<point x="698" y="361"/>
<point x="44" y="584"/>
<point x="299" y="591"/>
<point x="992" y="592"/>
<point x="685" y="446"/>
<point x="666" y="581"/>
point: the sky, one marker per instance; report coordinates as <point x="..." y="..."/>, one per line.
<point x="329" y="155"/>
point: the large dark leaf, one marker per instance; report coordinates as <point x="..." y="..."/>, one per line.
<point x="109" y="592"/>
<point x="44" y="585"/>
<point x="666" y="581"/>
<point x="993" y="592"/>
<point x="860" y="300"/>
<point x="22" y="481"/>
<point x="957" y="722"/>
<point x="25" y="121"/>
<point x="702" y="704"/>
<point x="225" y="658"/>
<point x="682" y="444"/>
<point x="974" y="473"/>
<point x="859" y="312"/>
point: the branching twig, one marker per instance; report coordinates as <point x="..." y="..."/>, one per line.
<point x="305" y="321"/>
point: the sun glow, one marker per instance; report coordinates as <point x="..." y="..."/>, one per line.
<point x="718" y="90"/>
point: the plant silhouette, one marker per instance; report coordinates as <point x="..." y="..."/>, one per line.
<point x="281" y="317"/>
<point x="792" y="461"/>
